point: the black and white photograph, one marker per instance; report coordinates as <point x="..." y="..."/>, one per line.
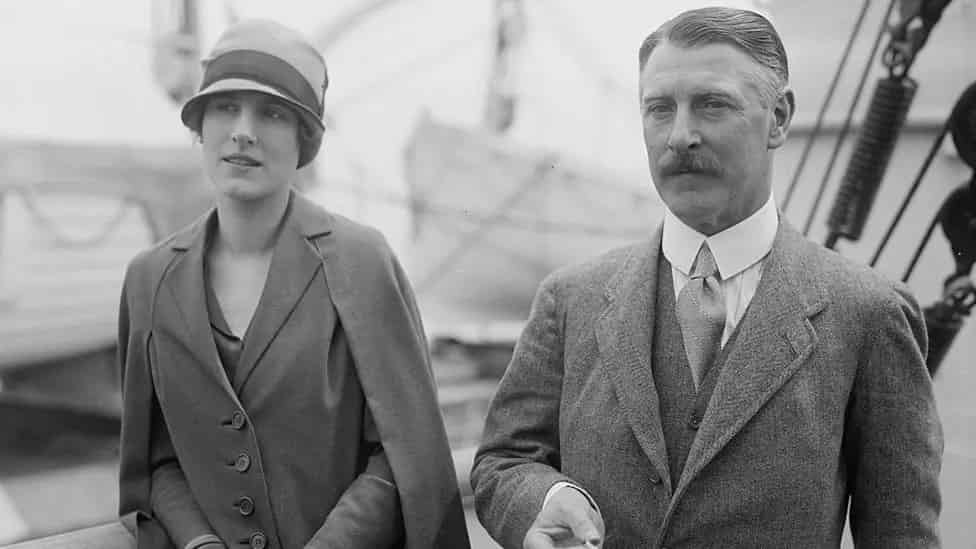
<point x="487" y="274"/>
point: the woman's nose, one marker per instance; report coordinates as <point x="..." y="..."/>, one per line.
<point x="243" y="138"/>
<point x="243" y="131"/>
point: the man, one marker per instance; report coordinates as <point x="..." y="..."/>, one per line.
<point x="726" y="383"/>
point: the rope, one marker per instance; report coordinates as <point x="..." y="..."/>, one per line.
<point x="467" y="241"/>
<point x="536" y="264"/>
<point x="845" y="129"/>
<point x="62" y="237"/>
<point x="911" y="193"/>
<point x="411" y="69"/>
<point x="818" y="126"/>
<point x="525" y="222"/>
<point x="582" y="53"/>
<point x="918" y="251"/>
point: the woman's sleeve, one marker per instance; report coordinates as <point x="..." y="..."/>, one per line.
<point x="172" y="501"/>
<point x="368" y="513"/>
<point x="152" y="488"/>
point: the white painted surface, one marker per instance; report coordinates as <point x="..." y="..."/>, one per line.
<point x="12" y="525"/>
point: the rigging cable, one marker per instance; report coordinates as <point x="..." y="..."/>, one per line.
<point x="582" y="52"/>
<point x="466" y="242"/>
<point x="412" y="68"/>
<point x="530" y="223"/>
<point x="818" y="125"/>
<point x="845" y="129"/>
<point x="65" y="237"/>
<point x="883" y="123"/>
<point x="908" y="197"/>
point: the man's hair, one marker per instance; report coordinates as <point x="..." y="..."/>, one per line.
<point x="746" y="30"/>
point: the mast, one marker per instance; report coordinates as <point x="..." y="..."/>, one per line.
<point x="176" y="47"/>
<point x="501" y="97"/>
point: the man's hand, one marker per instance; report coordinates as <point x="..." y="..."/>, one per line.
<point x="566" y="520"/>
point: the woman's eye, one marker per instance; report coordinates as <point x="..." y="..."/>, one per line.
<point x="225" y="107"/>
<point x="276" y="113"/>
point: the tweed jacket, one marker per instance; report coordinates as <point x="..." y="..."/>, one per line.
<point x="169" y="362"/>
<point x="824" y="401"/>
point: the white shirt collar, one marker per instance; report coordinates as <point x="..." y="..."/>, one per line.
<point x="735" y="249"/>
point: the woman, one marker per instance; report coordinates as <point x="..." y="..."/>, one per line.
<point x="276" y="383"/>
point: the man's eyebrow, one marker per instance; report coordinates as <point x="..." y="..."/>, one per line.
<point x="716" y="94"/>
<point x="697" y="94"/>
<point x="655" y="97"/>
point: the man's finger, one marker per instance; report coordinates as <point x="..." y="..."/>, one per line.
<point x="585" y="530"/>
<point x="597" y="520"/>
<point x="537" y="539"/>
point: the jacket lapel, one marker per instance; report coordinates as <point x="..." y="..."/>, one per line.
<point x="185" y="285"/>
<point x="624" y="333"/>
<point x="775" y="338"/>
<point x="294" y="263"/>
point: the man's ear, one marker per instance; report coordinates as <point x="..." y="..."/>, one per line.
<point x="782" y="117"/>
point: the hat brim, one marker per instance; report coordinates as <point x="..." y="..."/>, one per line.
<point x="192" y="117"/>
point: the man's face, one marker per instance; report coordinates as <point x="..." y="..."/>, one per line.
<point x="709" y="138"/>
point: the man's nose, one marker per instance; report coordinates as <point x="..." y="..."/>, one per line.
<point x="684" y="132"/>
<point x="243" y="132"/>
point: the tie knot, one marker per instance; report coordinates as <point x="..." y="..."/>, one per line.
<point x="704" y="266"/>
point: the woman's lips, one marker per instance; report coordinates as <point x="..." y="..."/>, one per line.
<point x="241" y="160"/>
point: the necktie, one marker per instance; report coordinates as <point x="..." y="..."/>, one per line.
<point x="701" y="313"/>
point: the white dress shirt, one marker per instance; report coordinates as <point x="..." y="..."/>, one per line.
<point x="740" y="253"/>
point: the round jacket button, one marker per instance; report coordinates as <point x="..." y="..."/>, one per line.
<point x="695" y="422"/>
<point x="238" y="420"/>
<point x="246" y="506"/>
<point x="258" y="540"/>
<point x="242" y="463"/>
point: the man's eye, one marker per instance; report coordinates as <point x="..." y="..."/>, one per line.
<point x="714" y="104"/>
<point x="657" y="109"/>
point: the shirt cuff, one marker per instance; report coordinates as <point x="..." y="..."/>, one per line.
<point x="563" y="484"/>
<point x="206" y="541"/>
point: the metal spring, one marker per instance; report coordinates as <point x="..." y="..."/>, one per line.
<point x="886" y="115"/>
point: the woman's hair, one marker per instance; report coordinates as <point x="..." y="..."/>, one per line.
<point x="746" y="30"/>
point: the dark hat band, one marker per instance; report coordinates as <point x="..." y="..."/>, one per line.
<point x="268" y="70"/>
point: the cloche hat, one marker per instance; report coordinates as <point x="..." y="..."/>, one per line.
<point x="268" y="57"/>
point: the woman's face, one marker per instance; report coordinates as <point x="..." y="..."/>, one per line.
<point x="250" y="144"/>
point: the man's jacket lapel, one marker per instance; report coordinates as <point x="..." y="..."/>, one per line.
<point x="624" y="334"/>
<point x="775" y="338"/>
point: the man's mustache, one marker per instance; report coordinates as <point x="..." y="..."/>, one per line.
<point x="689" y="162"/>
